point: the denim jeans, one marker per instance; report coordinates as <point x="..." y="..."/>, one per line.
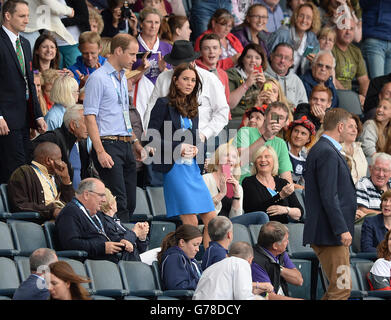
<point x="202" y="11"/>
<point x="377" y="55"/>
<point x="246" y="219"/>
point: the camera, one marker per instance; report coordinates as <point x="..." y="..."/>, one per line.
<point x="126" y="12"/>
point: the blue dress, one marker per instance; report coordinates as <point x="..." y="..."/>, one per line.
<point x="185" y="191"/>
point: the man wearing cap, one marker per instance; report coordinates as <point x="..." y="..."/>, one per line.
<point x="299" y="137"/>
<point x="213" y="109"/>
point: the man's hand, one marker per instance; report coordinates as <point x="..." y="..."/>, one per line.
<point x="128" y="245"/>
<point x="318" y="112"/>
<point x="105" y="160"/>
<point x="60" y="168"/>
<point x="113" y="247"/>
<point x="4" y="128"/>
<point x="42" y="125"/>
<point x="346" y="239"/>
<point x="141" y="230"/>
<point x="141" y="153"/>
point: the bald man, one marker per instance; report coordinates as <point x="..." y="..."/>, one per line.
<point x="44" y="186"/>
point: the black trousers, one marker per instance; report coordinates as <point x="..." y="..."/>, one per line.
<point x="15" y="151"/>
<point x="121" y="179"/>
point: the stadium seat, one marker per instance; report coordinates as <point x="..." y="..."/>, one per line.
<point x="23" y="266"/>
<point x="95" y="297"/>
<point x="300" y="196"/>
<point x="48" y="228"/>
<point x="254" y="232"/>
<point x="304" y="291"/>
<point x="9" y="279"/>
<point x="134" y="298"/>
<point x="159" y="229"/>
<point x="142" y="211"/>
<point x="295" y="247"/>
<point x="362" y="269"/>
<point x="139" y="279"/>
<point x="7" y="248"/>
<point x="4" y="214"/>
<point x="156" y="200"/>
<point x="105" y="278"/>
<point x="241" y="233"/>
<point x="79" y="269"/>
<point x="349" y="101"/>
<point x="356" y="245"/>
<point x="27" y="236"/>
<point x="181" y="294"/>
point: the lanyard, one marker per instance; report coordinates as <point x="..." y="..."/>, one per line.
<point x="82" y="208"/>
<point x="120" y="98"/>
<point x="183" y="124"/>
<point x="46" y="179"/>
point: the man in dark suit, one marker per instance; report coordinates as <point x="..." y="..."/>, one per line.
<point x="330" y="203"/>
<point x="19" y="107"/>
<point x="35" y="286"/>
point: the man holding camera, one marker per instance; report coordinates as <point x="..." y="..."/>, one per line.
<point x="118" y="17"/>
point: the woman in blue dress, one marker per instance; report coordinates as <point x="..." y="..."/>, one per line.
<point x="175" y="118"/>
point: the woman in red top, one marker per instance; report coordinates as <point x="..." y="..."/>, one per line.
<point x="221" y="24"/>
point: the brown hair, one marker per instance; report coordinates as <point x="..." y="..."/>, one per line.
<point x="175" y="22"/>
<point x="94" y="14"/>
<point x="64" y="271"/>
<point x="10" y="6"/>
<point x="333" y="117"/>
<point x="54" y="64"/>
<point x="186" y="232"/>
<point x="209" y="36"/>
<point x="382" y="248"/>
<point x="249" y="13"/>
<point x="221" y="16"/>
<point x="316" y="23"/>
<point x="89" y="37"/>
<point x="257" y="48"/>
<point x="186" y="105"/>
<point x="383" y="143"/>
<point x="121" y="40"/>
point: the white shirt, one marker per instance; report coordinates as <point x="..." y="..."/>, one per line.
<point x="213" y="109"/>
<point x="228" y="279"/>
<point x="12" y="37"/>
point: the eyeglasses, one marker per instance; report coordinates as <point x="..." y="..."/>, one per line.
<point x="102" y="195"/>
<point x="376" y="169"/>
<point x="280" y="56"/>
<point x="259" y="17"/>
<point x="321" y="65"/>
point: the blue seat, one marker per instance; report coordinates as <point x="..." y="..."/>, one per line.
<point x="142" y="211"/>
<point x="7" y="247"/>
<point x="304" y="291"/>
<point x="350" y="101"/>
<point x="23" y="266"/>
<point x="9" y="278"/>
<point x="241" y="233"/>
<point x="139" y="279"/>
<point x="27" y="236"/>
<point x="254" y="232"/>
<point x="80" y="269"/>
<point x="295" y="247"/>
<point x="155" y="197"/>
<point x="159" y="229"/>
<point x="355" y="251"/>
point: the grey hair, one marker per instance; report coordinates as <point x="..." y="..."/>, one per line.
<point x="87" y="184"/>
<point x="41" y="257"/>
<point x="241" y="249"/>
<point x="381" y="156"/>
<point x="73" y="113"/>
<point x="218" y="228"/>
<point x="322" y="53"/>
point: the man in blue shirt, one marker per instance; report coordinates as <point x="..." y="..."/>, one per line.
<point x="35" y="286"/>
<point x="106" y="106"/>
<point x="90" y="60"/>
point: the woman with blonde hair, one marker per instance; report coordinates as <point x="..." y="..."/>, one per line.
<point x="65" y="284"/>
<point x="64" y="93"/>
<point x="266" y="191"/>
<point x="223" y="184"/>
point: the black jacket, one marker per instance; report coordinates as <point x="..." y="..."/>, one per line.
<point x="267" y="262"/>
<point x="81" y="17"/>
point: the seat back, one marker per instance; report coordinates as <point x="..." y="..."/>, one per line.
<point x="7" y="247"/>
<point x="4" y="204"/>
<point x="9" y="279"/>
<point x="156" y="200"/>
<point x="350" y="101"/>
<point x="295" y="245"/>
<point x="28" y="236"/>
<point x="356" y="244"/>
<point x="254" y="232"/>
<point x="241" y="233"/>
<point x="362" y="269"/>
<point x="48" y="229"/>
<point x="159" y="229"/>
<point x="304" y="291"/>
<point x="23" y="266"/>
<point x="300" y="196"/>
<point x="105" y="278"/>
<point x="142" y="210"/>
<point x="79" y="269"/>
<point x="137" y="276"/>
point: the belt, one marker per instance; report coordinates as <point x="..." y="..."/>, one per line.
<point x="116" y="138"/>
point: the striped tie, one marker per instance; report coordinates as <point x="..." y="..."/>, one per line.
<point x="20" y="56"/>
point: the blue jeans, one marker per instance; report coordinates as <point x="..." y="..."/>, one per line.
<point x="377" y="55"/>
<point x="246" y="219"/>
<point x="202" y="11"/>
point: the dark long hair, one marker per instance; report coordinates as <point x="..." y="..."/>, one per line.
<point x="54" y="64"/>
<point x="186" y="232"/>
<point x="257" y="48"/>
<point x="382" y="248"/>
<point x="187" y="106"/>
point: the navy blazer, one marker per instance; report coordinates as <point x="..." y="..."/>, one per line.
<point x="330" y="196"/>
<point x="28" y="290"/>
<point x="373" y="231"/>
<point x="13" y="106"/>
<point x="167" y="121"/>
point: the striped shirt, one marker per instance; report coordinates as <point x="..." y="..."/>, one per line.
<point x="368" y="195"/>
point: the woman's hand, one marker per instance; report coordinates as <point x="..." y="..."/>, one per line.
<point x="254" y="77"/>
<point x="188" y="150"/>
<point x="287" y="190"/>
<point x="161" y="63"/>
<point x="132" y="21"/>
<point x="264" y="97"/>
<point x="235" y="185"/>
<point x="223" y="185"/>
<point x="276" y="210"/>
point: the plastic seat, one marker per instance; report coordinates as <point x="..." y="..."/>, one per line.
<point x="4" y="214"/>
<point x="105" y="278"/>
<point x="300" y="196"/>
<point x="159" y="229"/>
<point x="27" y="236"/>
<point x="362" y="269"/>
<point x="181" y="294"/>
<point x="79" y="269"/>
<point x="295" y="247"/>
<point x="142" y="211"/>
<point x="7" y="247"/>
<point x="23" y="266"/>
<point x="254" y="232"/>
<point x="350" y="101"/>
<point x="139" y="279"/>
<point x="155" y="197"/>
<point x="9" y="279"/>
<point x="48" y="228"/>
<point x="304" y="291"/>
<point x="356" y="245"/>
<point x="241" y="233"/>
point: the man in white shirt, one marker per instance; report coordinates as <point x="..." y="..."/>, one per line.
<point x="213" y="109"/>
<point x="230" y="278"/>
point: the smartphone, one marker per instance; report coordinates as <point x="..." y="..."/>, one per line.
<point x="267" y="86"/>
<point x="275" y="117"/>
<point x="308" y="51"/>
<point x="227" y="171"/>
<point x="259" y="68"/>
<point x="140" y="55"/>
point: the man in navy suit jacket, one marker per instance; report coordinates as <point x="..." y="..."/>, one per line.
<point x="19" y="107"/>
<point x="330" y="202"/>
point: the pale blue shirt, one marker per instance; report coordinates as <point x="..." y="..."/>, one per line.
<point x="54" y="117"/>
<point x="107" y="101"/>
<point x="275" y="17"/>
<point x="333" y="141"/>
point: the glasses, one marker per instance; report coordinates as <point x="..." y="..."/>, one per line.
<point x="102" y="195"/>
<point x="321" y="65"/>
<point x="259" y="17"/>
<point x="378" y="170"/>
<point x="282" y="57"/>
